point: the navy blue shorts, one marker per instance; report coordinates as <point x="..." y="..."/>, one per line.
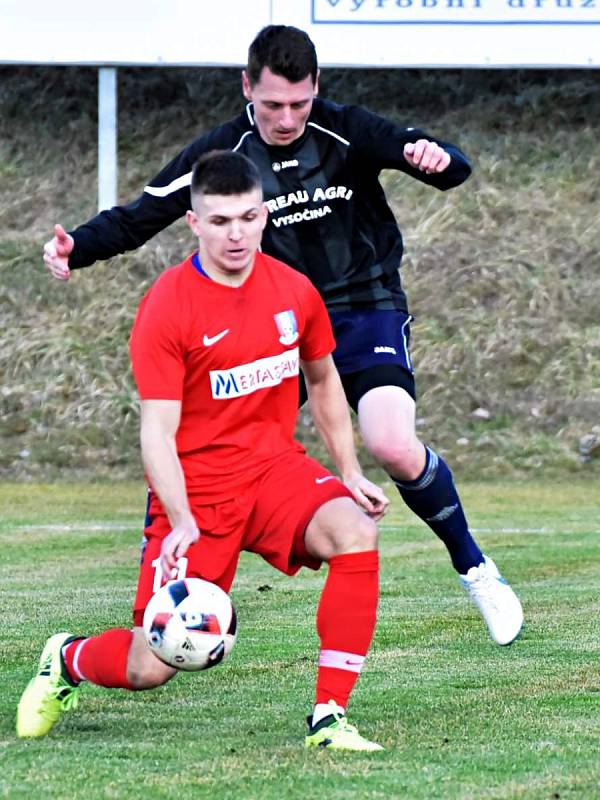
<point x="372" y="349"/>
<point x="371" y="338"/>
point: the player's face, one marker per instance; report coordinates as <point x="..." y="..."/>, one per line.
<point x="229" y="229"/>
<point x="281" y="108"/>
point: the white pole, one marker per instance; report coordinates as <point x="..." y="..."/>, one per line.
<point x="107" y="137"/>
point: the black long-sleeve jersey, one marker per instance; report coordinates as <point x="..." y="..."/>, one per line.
<point x="328" y="214"/>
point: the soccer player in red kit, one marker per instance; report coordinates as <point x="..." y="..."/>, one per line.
<point x="321" y="165"/>
<point x="216" y="350"/>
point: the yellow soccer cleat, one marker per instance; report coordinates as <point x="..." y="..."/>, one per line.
<point x="49" y="693"/>
<point x="334" y="732"/>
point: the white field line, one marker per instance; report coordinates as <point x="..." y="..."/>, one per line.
<point x="123" y="526"/>
<point x="543" y="530"/>
<point x="80" y="526"/>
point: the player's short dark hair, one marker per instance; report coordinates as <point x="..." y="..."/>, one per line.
<point x="286" y="51"/>
<point x="224" y="172"/>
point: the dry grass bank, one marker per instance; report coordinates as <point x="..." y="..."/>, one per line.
<point x="503" y="274"/>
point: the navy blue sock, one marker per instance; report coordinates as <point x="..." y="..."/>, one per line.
<point x="433" y="498"/>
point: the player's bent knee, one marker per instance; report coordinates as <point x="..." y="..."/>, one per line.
<point x="340" y="527"/>
<point x="390" y="452"/>
<point x="145" y="671"/>
<point x="149" y="677"/>
<point x="354" y="534"/>
<point x="368" y="534"/>
<point x="401" y="457"/>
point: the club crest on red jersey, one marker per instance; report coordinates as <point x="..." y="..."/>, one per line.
<point x="287" y="327"/>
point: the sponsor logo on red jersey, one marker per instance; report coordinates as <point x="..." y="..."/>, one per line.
<point x="248" y="378"/>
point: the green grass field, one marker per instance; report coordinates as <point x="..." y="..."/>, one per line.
<point x="459" y="717"/>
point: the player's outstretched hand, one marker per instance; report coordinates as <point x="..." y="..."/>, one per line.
<point x="175" y="545"/>
<point x="57" y="252"/>
<point x="427" y="156"/>
<point x="368" y="496"/>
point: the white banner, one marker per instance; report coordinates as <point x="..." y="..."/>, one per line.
<point x="382" y="33"/>
<point x="456" y="12"/>
<point x="449" y="33"/>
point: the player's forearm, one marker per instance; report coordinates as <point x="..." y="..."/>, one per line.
<point x="102" y="237"/>
<point x="332" y="420"/>
<point x="120" y="229"/>
<point x="127" y="227"/>
<point x="165" y="474"/>
<point x="457" y="171"/>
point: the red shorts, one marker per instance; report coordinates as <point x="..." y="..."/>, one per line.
<point x="268" y="518"/>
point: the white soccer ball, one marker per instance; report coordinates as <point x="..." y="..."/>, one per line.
<point x="190" y="624"/>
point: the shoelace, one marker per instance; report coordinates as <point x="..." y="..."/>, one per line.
<point x="342" y="724"/>
<point x="66" y="695"/>
<point x="483" y="588"/>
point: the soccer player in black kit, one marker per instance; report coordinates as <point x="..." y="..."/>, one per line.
<point x="328" y="218"/>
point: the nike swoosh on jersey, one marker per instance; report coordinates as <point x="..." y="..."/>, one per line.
<point x="326" y="478"/>
<point x="209" y="340"/>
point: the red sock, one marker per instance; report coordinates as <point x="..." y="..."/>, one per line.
<point x="345" y="623"/>
<point x="101" y="659"/>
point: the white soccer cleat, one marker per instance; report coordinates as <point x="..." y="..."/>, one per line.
<point x="499" y="605"/>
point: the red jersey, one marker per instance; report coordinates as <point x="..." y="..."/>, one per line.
<point x="231" y="356"/>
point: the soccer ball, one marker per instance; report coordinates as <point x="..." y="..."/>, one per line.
<point x="190" y="624"/>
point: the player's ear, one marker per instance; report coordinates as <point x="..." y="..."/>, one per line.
<point x="265" y="215"/>
<point x="246" y="88"/>
<point x="192" y="221"/>
<point x="316" y="89"/>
